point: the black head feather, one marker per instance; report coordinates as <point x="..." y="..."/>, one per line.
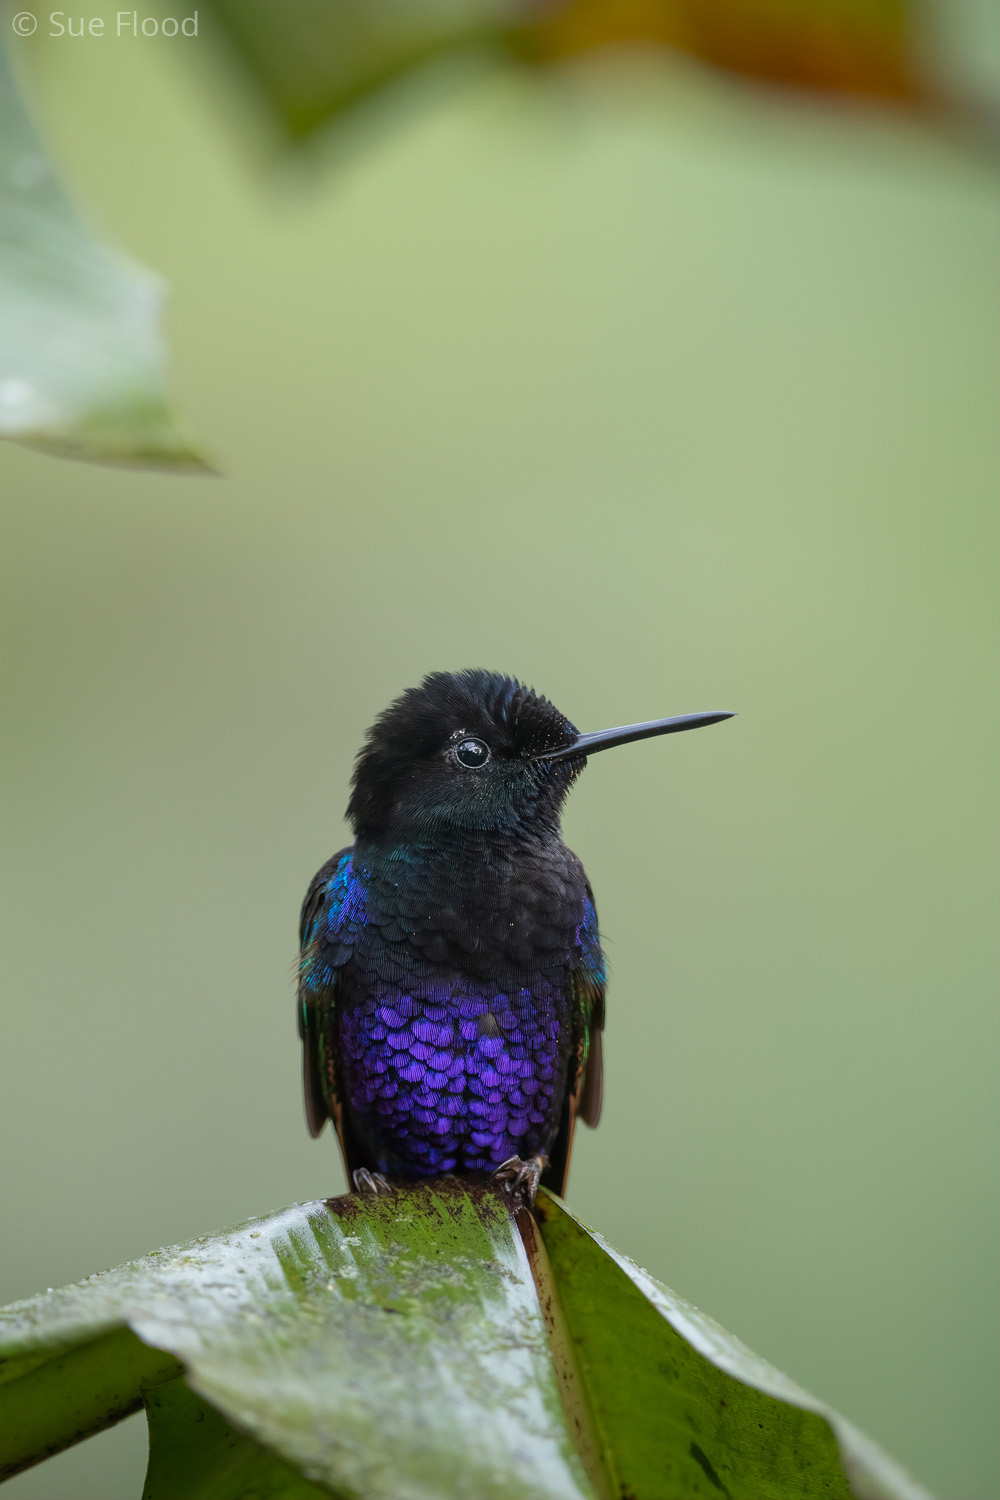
<point x="409" y="780"/>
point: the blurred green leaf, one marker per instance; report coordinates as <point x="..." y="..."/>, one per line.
<point x="311" y="59"/>
<point x="418" y="1347"/>
<point x="81" y="362"/>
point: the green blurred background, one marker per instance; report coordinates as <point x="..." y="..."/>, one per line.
<point x="664" y="394"/>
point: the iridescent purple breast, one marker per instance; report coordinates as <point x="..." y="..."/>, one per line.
<point x="450" y="1077"/>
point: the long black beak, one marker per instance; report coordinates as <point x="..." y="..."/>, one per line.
<point x="605" y="739"/>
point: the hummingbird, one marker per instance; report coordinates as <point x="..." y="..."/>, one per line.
<point x="451" y="978"/>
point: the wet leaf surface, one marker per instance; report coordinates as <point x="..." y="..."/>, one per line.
<point x="392" y="1348"/>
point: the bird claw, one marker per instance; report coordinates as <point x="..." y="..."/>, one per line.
<point x="520" y="1178"/>
<point x="370" y="1184"/>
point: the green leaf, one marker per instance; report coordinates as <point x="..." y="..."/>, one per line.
<point x="391" y="1348"/>
<point x="194" y="1454"/>
<point x="59" y="1387"/>
<point x="81" y="363"/>
<point x="680" y="1407"/>
<point x="418" y="1347"/>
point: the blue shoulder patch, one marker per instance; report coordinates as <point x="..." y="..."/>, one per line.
<point x="591" y="955"/>
<point x="327" y="939"/>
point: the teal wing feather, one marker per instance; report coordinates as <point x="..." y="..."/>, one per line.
<point x="319" y="984"/>
<point x="591" y="982"/>
<point x="585" y="1085"/>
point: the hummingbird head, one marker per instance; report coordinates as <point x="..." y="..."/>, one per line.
<point x="476" y="750"/>
<point x="462" y="751"/>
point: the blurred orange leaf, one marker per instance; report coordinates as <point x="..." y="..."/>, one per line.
<point x="842" y="46"/>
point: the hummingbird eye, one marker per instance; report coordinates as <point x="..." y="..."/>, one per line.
<point x="472" y="754"/>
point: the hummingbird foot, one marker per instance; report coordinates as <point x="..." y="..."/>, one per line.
<point x="370" y="1184"/>
<point x="520" y="1178"/>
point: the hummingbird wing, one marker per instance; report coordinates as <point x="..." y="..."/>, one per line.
<point x="585" y="1084"/>
<point x="322" y="928"/>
